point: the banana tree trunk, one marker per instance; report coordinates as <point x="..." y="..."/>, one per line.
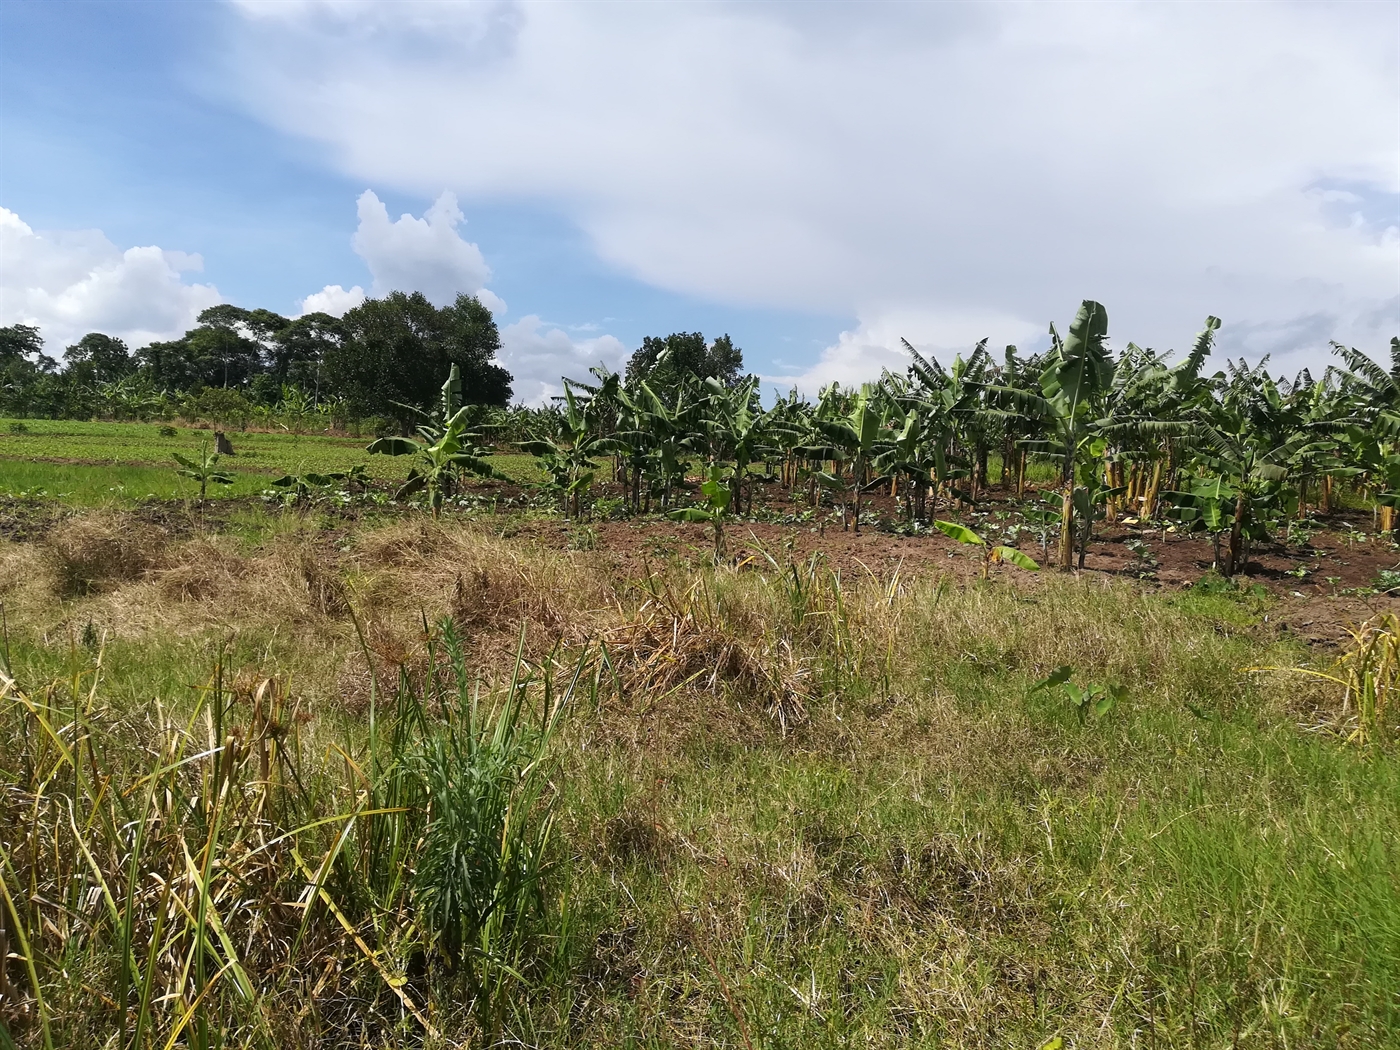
<point x="1066" y="550"/>
<point x="858" y="476"/>
<point x="1326" y="494"/>
<point x="1021" y="475"/>
<point x="1233" y="562"/>
<point x="1149" y="502"/>
<point x="1112" y="471"/>
<point x="1387" y="519"/>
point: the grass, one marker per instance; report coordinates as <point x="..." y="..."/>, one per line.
<point x="778" y="808"/>
<point x="88" y="463"/>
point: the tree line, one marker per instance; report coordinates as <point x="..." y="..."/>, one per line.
<point x="383" y="358"/>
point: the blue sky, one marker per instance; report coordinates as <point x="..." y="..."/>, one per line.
<point x="817" y="180"/>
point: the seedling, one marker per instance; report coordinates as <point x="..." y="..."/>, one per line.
<point x="718" y="496"/>
<point x="990" y="555"/>
<point x="1093" y="700"/>
<point x="204" y="470"/>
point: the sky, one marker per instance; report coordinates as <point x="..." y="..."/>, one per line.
<point x="818" y="180"/>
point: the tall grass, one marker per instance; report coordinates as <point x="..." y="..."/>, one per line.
<point x="212" y="874"/>
<point x="775" y="805"/>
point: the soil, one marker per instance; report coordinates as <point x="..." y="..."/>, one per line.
<point x="1325" y="584"/>
<point x="1334" y="592"/>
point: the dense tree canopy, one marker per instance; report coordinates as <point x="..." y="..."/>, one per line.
<point x="98" y="358"/>
<point x="384" y="355"/>
<point x="664" y="364"/>
<point x="397" y="351"/>
<point x="19" y="342"/>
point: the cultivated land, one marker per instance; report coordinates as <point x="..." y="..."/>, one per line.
<point x="811" y="797"/>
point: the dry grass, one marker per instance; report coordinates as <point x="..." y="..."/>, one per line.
<point x="100" y="551"/>
<point x="830" y="807"/>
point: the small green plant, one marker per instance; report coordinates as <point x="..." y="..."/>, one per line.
<point x="583" y="538"/>
<point x="610" y="507"/>
<point x="204" y="470"/>
<point x="294" y="487"/>
<point x="1043" y="521"/>
<point x="18" y="428"/>
<point x="1146" y="561"/>
<point x="717" y="495"/>
<point x="1093" y="700"/>
<point x="165" y="430"/>
<point x="1387" y="580"/>
<point x="990" y="555"/>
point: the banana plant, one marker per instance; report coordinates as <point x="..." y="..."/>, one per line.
<point x="657" y="438"/>
<point x="445" y="447"/>
<point x="991" y="555"/>
<point x="566" y="454"/>
<point x="739" y="430"/>
<point x="856" y="433"/>
<point x="294" y="487"/>
<point x="905" y="453"/>
<point x="1073" y="385"/>
<point x="718" y="500"/>
<point x="204" y="470"/>
<point x="1375" y="393"/>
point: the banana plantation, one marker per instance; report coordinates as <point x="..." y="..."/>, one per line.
<point x="1078" y="434"/>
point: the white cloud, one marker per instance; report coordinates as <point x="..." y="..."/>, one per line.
<point x="861" y="355"/>
<point x="881" y="160"/>
<point x="72" y="282"/>
<point x="537" y="355"/>
<point x="333" y="300"/>
<point x="425" y="255"/>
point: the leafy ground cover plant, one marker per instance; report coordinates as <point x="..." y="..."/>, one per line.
<point x="991" y="554"/>
<point x="1092" y="700"/>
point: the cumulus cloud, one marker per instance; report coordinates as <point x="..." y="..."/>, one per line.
<point x="333" y="300"/>
<point x="425" y="255"/>
<point x="1169" y="160"/>
<point x="71" y="282"/>
<point x="538" y="354"/>
<point x="874" y="346"/>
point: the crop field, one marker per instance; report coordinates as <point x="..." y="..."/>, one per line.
<point x="642" y="733"/>
<point x="97" y="462"/>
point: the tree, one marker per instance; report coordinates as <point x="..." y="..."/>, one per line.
<point x="98" y="358"/>
<point x="214" y="354"/>
<point x="28" y="386"/>
<point x="397" y="351"/>
<point x="664" y="364"/>
<point x="472" y="343"/>
<point x="19" y="342"/>
<point x="299" y="350"/>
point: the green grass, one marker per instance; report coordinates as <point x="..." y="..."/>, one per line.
<point x="932" y="854"/>
<point x="97" y="462"/>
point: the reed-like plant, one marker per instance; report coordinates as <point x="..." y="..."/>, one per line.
<point x="206" y="874"/>
<point x="478" y="886"/>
